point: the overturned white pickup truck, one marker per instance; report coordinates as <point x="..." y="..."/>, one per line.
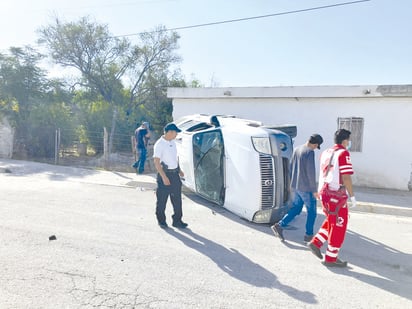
<point x="238" y="164"/>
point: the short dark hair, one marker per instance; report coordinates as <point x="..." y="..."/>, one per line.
<point x="316" y="139"/>
<point x="341" y="135"/>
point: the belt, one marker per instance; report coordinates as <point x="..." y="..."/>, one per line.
<point x="341" y="187"/>
<point x="175" y="170"/>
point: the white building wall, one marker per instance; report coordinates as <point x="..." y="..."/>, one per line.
<point x="386" y="158"/>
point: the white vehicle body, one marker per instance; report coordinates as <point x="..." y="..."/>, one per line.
<point x="238" y="164"/>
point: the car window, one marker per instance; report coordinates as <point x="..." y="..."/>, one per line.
<point x="208" y="153"/>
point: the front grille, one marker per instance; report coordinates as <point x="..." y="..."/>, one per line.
<point x="267" y="180"/>
<point x="286" y="179"/>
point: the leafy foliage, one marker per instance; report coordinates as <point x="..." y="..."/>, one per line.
<point x="120" y="85"/>
<point x="31" y="102"/>
<point x="107" y="62"/>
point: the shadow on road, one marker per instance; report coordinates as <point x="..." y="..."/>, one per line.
<point x="218" y="210"/>
<point x="393" y="275"/>
<point x="388" y="268"/>
<point x="237" y="265"/>
<point x="393" y="268"/>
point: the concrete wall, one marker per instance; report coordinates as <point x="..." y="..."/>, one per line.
<point x="6" y="139"/>
<point x="386" y="157"/>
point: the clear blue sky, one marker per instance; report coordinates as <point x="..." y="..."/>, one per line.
<point x="357" y="44"/>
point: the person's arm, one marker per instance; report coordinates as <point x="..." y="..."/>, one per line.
<point x="347" y="182"/>
<point x="346" y="171"/>
<point x="136" y="137"/>
<point x="181" y="174"/>
<point x="146" y="137"/>
<point x="161" y="172"/>
<point x="311" y="172"/>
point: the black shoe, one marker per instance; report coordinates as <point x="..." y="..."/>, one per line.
<point x="278" y="231"/>
<point x="180" y="225"/>
<point x="163" y="225"/>
<point x="337" y="263"/>
<point x="315" y="250"/>
<point x="308" y="238"/>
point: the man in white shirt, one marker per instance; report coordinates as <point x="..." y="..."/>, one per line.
<point x="168" y="177"/>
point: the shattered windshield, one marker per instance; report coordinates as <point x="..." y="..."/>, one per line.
<point x="208" y="152"/>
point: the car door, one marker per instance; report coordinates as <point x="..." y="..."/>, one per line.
<point x="208" y="161"/>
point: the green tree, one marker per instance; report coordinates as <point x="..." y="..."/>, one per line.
<point x="22" y="82"/>
<point x="35" y="104"/>
<point x="107" y="62"/>
<point x="93" y="114"/>
<point x="155" y="104"/>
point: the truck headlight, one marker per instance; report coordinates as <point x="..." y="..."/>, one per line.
<point x="262" y="216"/>
<point x="283" y="146"/>
<point x="261" y="144"/>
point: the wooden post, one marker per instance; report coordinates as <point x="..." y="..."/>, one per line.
<point x="105" y="148"/>
<point x="57" y="146"/>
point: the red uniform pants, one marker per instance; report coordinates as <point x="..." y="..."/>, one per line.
<point x="333" y="231"/>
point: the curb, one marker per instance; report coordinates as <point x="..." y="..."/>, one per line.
<point x="376" y="208"/>
<point x="148" y="182"/>
<point x="382" y="209"/>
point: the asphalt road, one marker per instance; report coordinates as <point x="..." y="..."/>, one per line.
<point x="109" y="252"/>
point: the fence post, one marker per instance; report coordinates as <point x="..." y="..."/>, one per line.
<point x="105" y="148"/>
<point x="134" y="150"/>
<point x="57" y="146"/>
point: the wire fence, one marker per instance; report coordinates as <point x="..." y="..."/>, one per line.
<point x="93" y="151"/>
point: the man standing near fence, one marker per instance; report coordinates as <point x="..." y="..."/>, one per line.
<point x="142" y="136"/>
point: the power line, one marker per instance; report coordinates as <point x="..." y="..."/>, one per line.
<point x="248" y="18"/>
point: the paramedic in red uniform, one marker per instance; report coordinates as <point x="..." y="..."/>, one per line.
<point x="336" y="174"/>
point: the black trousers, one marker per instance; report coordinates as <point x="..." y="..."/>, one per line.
<point x="174" y="190"/>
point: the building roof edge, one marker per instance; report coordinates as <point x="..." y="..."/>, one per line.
<point x="293" y="92"/>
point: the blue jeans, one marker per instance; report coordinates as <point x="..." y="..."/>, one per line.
<point x="141" y="155"/>
<point x="299" y="199"/>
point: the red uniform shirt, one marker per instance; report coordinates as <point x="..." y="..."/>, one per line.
<point x="341" y="165"/>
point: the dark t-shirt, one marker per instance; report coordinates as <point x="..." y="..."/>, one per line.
<point x="302" y="168"/>
<point x="140" y="134"/>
